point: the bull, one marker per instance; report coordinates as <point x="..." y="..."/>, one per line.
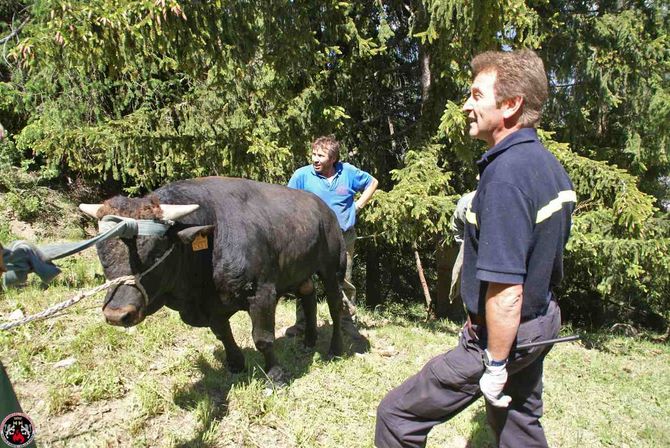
<point x="231" y="244"/>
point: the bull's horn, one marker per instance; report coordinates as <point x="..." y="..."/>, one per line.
<point x="90" y="209"/>
<point x="174" y="212"/>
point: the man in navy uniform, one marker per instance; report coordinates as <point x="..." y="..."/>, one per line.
<point x="516" y="228"/>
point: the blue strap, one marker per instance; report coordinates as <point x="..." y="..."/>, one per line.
<point x="22" y="257"/>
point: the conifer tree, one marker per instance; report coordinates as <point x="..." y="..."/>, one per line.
<point x="148" y="91"/>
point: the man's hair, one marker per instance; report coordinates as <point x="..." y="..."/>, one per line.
<point x="329" y="144"/>
<point x="518" y="73"/>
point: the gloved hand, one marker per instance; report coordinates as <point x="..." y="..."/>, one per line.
<point x="492" y="384"/>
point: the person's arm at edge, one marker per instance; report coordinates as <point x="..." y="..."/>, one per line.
<point x="367" y="194"/>
<point x="503" y="316"/>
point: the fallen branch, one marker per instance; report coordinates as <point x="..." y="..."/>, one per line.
<point x="424" y="284"/>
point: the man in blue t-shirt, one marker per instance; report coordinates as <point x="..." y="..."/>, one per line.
<point x="336" y="183"/>
<point x="516" y="227"/>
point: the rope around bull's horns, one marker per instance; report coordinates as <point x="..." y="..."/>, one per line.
<point x="49" y="312"/>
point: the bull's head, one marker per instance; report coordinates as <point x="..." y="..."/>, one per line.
<point x="144" y="252"/>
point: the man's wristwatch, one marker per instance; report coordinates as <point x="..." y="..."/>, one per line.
<point x="490" y="362"/>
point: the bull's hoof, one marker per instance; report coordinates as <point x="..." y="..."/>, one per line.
<point x="336" y="348"/>
<point x="278" y="377"/>
<point x="305" y="348"/>
<point x="310" y="343"/>
<point x="332" y="355"/>
<point x="235" y="364"/>
<point x="360" y="345"/>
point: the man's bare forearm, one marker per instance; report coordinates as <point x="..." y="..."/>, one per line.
<point x="367" y="194"/>
<point x="503" y="315"/>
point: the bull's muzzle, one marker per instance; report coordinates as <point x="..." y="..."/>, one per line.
<point x="124" y="316"/>
<point x="124" y="306"/>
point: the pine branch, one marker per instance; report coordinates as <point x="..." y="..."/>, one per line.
<point x="15" y="31"/>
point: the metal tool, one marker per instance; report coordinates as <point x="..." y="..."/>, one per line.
<point x="574" y="337"/>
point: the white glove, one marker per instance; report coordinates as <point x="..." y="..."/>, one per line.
<point x="492" y="384"/>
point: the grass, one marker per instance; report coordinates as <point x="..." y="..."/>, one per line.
<point x="164" y="384"/>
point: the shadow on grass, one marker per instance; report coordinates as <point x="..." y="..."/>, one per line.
<point x="480" y="434"/>
<point x="603" y="341"/>
<point x="433" y="325"/>
<point x="409" y="316"/>
<point x="208" y="398"/>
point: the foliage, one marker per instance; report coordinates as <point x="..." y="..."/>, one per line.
<point x="600" y="185"/>
<point x="617" y="250"/>
<point x="610" y="97"/>
<point x="9" y="156"/>
<point x="420" y="199"/>
<point x="147" y="91"/>
<point x="5" y="232"/>
<point x="24" y="196"/>
<point x="632" y="272"/>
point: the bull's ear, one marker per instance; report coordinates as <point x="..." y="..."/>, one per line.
<point x="188" y="234"/>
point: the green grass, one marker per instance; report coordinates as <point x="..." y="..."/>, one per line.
<point x="164" y="384"/>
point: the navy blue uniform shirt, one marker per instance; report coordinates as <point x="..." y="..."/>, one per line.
<point x="517" y="224"/>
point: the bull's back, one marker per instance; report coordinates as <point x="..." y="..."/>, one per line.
<point x="237" y="200"/>
<point x="272" y="229"/>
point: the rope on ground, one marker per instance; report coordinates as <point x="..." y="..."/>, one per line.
<point x="127" y="279"/>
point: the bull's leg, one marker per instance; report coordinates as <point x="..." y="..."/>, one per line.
<point x="307" y="295"/>
<point x="262" y="310"/>
<point x="234" y="356"/>
<point x="334" y="295"/>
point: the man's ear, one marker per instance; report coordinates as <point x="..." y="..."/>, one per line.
<point x="188" y="234"/>
<point x="512" y="106"/>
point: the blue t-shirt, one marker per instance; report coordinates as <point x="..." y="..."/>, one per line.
<point x="517" y="224"/>
<point x="339" y="193"/>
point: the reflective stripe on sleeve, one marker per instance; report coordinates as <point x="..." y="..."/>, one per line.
<point x="555" y="205"/>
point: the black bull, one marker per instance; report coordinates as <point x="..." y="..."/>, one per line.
<point x="262" y="241"/>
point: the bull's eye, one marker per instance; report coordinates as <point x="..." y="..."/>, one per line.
<point x="150" y="250"/>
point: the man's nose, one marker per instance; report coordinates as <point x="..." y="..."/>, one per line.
<point x="467" y="107"/>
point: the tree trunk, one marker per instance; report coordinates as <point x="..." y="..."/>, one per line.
<point x="426" y="78"/>
<point x="392" y="134"/>
<point x="443" y="306"/>
<point x="424" y="62"/>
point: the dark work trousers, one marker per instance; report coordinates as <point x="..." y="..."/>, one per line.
<point x="9" y="404"/>
<point x="449" y="383"/>
<point x="8" y="401"/>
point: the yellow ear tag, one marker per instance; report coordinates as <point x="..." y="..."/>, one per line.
<point x="199" y="243"/>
